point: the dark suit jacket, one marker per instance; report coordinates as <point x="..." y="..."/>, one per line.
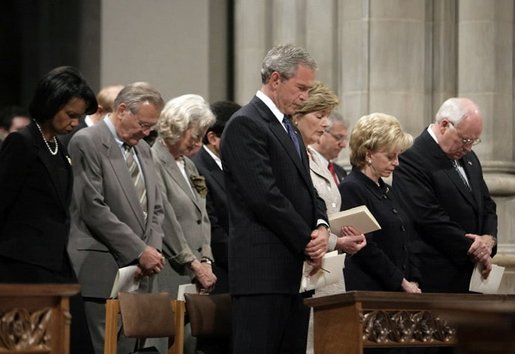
<point x="443" y="210"/>
<point x="34" y="207"/>
<point x="340" y="172"/>
<point x="385" y="260"/>
<point x="273" y="206"/>
<point x="216" y="205"/>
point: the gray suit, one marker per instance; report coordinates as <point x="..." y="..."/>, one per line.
<point x="108" y="228"/>
<point x="186" y="226"/>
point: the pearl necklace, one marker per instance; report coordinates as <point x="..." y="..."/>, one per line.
<point x="46" y="142"/>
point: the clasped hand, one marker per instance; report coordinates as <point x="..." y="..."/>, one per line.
<point x="480" y="251"/>
<point x="350" y="240"/>
<point x="150" y="262"/>
<point x="317" y="247"/>
<point x="204" y="276"/>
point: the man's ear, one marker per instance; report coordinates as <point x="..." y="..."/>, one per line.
<point x="211" y="137"/>
<point x="275" y="79"/>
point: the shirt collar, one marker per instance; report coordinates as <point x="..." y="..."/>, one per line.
<point x="112" y="129"/>
<point x="271" y="105"/>
<point x="432" y="133"/>
<point x="214" y="156"/>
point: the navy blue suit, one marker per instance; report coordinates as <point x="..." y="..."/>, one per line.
<point x="273" y="208"/>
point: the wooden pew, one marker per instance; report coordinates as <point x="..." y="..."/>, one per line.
<point x="35" y="318"/>
<point x="487" y="328"/>
<point x="348" y="322"/>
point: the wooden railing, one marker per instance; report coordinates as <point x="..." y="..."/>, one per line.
<point x="35" y="318"/>
<point x="348" y="322"/>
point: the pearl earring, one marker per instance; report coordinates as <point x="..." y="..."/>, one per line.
<point x="369" y="161"/>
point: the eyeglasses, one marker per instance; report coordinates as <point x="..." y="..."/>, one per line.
<point x="465" y="141"/>
<point x="146" y="126"/>
<point x="338" y="138"/>
<point x="143" y="125"/>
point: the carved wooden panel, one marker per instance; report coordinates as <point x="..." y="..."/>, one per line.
<point x="24" y="330"/>
<point x="406" y="327"/>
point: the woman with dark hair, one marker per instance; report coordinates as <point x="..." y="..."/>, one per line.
<point x="36" y="180"/>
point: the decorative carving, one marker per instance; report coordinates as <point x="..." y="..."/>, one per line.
<point x="20" y="329"/>
<point x="405" y="327"/>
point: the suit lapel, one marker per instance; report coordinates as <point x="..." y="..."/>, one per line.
<point x="216" y="173"/>
<point x="147" y="166"/>
<point x="44" y="156"/>
<point x="121" y="171"/>
<point x="173" y="170"/>
<point x="436" y="153"/>
<point x="190" y="172"/>
<point x="473" y="178"/>
<point x="316" y="168"/>
<point x="283" y="138"/>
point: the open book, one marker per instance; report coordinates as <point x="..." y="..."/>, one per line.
<point x="332" y="272"/>
<point x="489" y="285"/>
<point x="359" y="217"/>
<point x="124" y="281"/>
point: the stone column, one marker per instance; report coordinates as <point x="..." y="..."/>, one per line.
<point x="262" y="24"/>
<point x="485" y="74"/>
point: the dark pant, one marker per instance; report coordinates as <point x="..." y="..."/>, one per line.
<point x="272" y="324"/>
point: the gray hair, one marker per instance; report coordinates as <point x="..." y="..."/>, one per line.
<point x="182" y="113"/>
<point x="285" y="59"/>
<point x="133" y="95"/>
<point x="455" y="109"/>
<point x="336" y="117"/>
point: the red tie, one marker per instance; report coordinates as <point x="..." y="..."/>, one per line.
<point x="330" y="167"/>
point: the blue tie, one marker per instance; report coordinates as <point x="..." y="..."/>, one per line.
<point x="292" y="134"/>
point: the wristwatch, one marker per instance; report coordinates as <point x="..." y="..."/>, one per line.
<point x="206" y="260"/>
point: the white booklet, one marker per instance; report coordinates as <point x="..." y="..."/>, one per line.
<point x="489" y="285"/>
<point x="359" y="217"/>
<point x="331" y="272"/>
<point x="124" y="281"/>
<point x="188" y="288"/>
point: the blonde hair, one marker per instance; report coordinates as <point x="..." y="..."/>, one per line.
<point x="107" y="95"/>
<point x="321" y="98"/>
<point x="374" y="132"/>
<point x="182" y="113"/>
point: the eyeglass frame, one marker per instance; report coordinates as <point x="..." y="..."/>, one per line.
<point x="339" y="139"/>
<point x="465" y="141"/>
<point x="142" y="125"/>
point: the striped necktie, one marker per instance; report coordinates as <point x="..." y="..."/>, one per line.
<point x="463" y="179"/>
<point x="137" y="177"/>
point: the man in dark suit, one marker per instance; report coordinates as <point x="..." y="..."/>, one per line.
<point x="276" y="219"/>
<point x="440" y="182"/>
<point x="209" y="165"/>
<point x="116" y="210"/>
<point x="331" y="143"/>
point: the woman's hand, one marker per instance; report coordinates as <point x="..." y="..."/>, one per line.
<point x="204" y="276"/>
<point x="350" y="240"/>
<point x="410" y="287"/>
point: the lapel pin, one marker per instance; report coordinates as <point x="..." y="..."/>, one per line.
<point x="470" y="163"/>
